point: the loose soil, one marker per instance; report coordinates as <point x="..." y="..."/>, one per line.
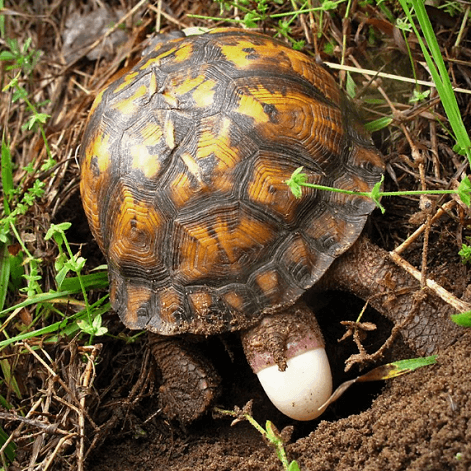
<point x="421" y="421"/>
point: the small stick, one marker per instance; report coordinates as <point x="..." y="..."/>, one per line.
<point x="86" y="381"/>
<point x="440" y="212"/>
<point x="63" y="441"/>
<point x="449" y="298"/>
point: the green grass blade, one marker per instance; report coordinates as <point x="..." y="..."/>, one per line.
<point x="4" y="273"/>
<point x="10" y="450"/>
<point x="9" y="377"/>
<point x="35" y="333"/>
<point x="439" y="73"/>
<point x="37" y="299"/>
<point x="65" y="327"/>
<point x="7" y="176"/>
<point x="91" y="281"/>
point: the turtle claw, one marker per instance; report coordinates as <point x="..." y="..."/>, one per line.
<point x="190" y="384"/>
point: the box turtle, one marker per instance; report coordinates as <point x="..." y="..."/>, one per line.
<point x="183" y="168"/>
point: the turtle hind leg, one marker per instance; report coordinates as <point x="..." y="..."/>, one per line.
<point x="190" y="383"/>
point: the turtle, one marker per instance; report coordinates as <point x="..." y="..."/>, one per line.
<point x="184" y="163"/>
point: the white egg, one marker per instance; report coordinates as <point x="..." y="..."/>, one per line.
<point x="302" y="388"/>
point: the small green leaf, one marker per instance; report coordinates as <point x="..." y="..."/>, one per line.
<point x="99" y="330"/>
<point x="376" y="194"/>
<point x="378" y="124"/>
<point x="61" y="274"/>
<point x="250" y="20"/>
<point x="419" y="96"/>
<point x="401" y="367"/>
<point x="350" y="86"/>
<point x="295" y="182"/>
<point x="463" y="319"/>
<point x="6" y="56"/>
<point x="76" y="263"/>
<point x="93" y="329"/>
<point x="294" y="466"/>
<point x="57" y="229"/>
<point x="464" y="191"/>
<point x="465" y="253"/>
<point x="329" y="5"/>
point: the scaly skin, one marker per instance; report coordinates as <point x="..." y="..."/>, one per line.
<point x="368" y="272"/>
<point x="189" y="382"/>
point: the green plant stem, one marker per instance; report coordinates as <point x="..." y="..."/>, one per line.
<point x="18" y="238"/>
<point x="381" y="193"/>
<point x="270" y="434"/>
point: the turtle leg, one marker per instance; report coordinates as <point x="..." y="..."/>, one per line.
<point x="368" y="272"/>
<point x="190" y="383"/>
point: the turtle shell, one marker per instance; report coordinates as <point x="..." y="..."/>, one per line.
<point x="183" y="169"/>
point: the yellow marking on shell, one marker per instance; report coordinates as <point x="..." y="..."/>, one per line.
<point x="136" y="297"/>
<point x="128" y="79"/>
<point x="219" y="145"/>
<point x="171" y="100"/>
<point x="201" y="302"/>
<point x="250" y="105"/>
<point x="184" y="52"/>
<point x="141" y="158"/>
<point x="99" y="150"/>
<point x="179" y="52"/>
<point x="186" y="84"/>
<point x="201" y="88"/>
<point x="169" y="133"/>
<point x="152" y="90"/>
<point x="241" y="59"/>
<point x="156" y="61"/>
<point x="96" y="102"/>
<point x="192" y="165"/>
<point x="128" y="106"/>
<point x="204" y="94"/>
<point x="234" y="300"/>
<point x="268" y="283"/>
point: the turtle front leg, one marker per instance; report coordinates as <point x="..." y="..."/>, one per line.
<point x="286" y="352"/>
<point x="190" y="383"/>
